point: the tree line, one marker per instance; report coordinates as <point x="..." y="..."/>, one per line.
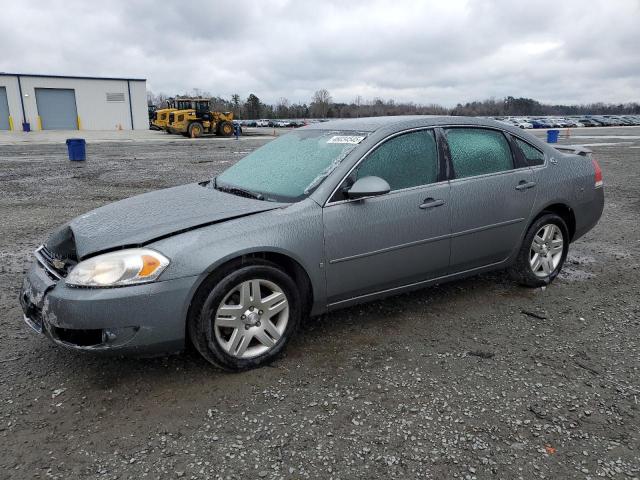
<point x="321" y="105"/>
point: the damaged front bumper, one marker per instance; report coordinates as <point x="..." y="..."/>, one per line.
<point x="141" y="319"/>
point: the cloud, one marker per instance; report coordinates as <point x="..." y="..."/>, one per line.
<point x="425" y="52"/>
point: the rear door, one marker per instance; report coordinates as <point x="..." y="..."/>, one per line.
<point x="57" y="108"/>
<point x="492" y="195"/>
<point x="394" y="239"/>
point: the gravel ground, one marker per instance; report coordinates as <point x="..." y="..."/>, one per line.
<point x="474" y="379"/>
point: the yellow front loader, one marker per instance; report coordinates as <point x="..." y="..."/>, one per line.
<point x="161" y="118"/>
<point x="198" y="119"/>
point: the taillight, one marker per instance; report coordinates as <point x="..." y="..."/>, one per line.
<point x="598" y="173"/>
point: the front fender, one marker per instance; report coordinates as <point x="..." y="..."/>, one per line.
<point x="295" y="231"/>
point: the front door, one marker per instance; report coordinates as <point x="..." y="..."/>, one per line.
<point x="395" y="239"/>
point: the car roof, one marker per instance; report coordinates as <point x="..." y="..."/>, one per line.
<point x="372" y="124"/>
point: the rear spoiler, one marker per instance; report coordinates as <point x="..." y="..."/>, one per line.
<point x="575" y="150"/>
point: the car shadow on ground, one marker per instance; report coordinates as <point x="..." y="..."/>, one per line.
<point x="324" y="342"/>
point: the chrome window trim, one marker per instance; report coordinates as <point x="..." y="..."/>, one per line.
<point x="328" y="202"/>
<point x="486" y="175"/>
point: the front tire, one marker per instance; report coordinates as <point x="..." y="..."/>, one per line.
<point x="244" y="318"/>
<point x="225" y="129"/>
<point x="543" y="252"/>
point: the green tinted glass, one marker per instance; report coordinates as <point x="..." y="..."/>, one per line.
<point x="478" y="151"/>
<point x="405" y="161"/>
<point x="531" y="154"/>
<point x="289" y="167"/>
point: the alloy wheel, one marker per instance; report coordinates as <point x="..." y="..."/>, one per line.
<point x="251" y="318"/>
<point x="546" y="250"/>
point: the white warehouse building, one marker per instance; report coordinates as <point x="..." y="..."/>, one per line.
<point x="56" y="102"/>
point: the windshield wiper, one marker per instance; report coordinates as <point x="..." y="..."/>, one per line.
<point x="241" y="192"/>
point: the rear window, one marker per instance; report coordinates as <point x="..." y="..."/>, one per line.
<point x="478" y="151"/>
<point x="532" y="155"/>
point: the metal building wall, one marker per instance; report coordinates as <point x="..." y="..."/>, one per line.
<point x="95" y="109"/>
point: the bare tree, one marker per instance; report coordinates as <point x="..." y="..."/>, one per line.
<point x="357" y="102"/>
<point x="320" y="103"/>
<point x="159" y="100"/>
<point x="282" y="107"/>
<point x="235" y="100"/>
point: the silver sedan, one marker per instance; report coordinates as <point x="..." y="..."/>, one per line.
<point x="327" y="216"/>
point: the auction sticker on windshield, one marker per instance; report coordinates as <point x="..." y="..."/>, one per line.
<point x="353" y="139"/>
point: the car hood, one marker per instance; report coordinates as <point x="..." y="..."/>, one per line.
<point x="141" y="219"/>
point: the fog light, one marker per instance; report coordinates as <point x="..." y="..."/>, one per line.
<point x="112" y="337"/>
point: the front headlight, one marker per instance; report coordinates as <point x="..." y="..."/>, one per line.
<point x="117" y="269"/>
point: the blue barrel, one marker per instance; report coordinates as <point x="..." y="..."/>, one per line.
<point x="552" y="136"/>
<point x="26" y="127"/>
<point x="76" y="148"/>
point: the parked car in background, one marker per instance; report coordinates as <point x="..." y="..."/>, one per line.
<point x="327" y="216"/>
<point x="262" y="123"/>
<point x="572" y="122"/>
<point x="504" y="121"/>
<point x="605" y="122"/>
<point x="557" y="122"/>
<point x="589" y="122"/>
<point x="615" y="120"/>
<point x="537" y="123"/>
<point x="621" y="120"/>
<point x="597" y="122"/>
<point x="521" y="123"/>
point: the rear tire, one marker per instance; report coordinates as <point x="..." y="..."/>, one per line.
<point x="542" y="253"/>
<point x="234" y="325"/>
<point x="195" y="130"/>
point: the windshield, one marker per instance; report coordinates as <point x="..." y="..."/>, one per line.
<point x="292" y="166"/>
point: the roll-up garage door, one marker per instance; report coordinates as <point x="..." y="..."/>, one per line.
<point x="4" y="109"/>
<point x="57" y="108"/>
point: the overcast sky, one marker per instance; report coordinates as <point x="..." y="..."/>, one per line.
<point x="445" y="51"/>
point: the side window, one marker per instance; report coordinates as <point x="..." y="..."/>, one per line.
<point x="405" y="161"/>
<point x="478" y="151"/>
<point x="532" y="155"/>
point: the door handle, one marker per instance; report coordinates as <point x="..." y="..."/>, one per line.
<point x="431" y="202"/>
<point x="524" y="185"/>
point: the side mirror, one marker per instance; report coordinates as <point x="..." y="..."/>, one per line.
<point x="368" y="187"/>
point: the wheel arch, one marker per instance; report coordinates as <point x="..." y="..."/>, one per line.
<point x="285" y="261"/>
<point x="564" y="211"/>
